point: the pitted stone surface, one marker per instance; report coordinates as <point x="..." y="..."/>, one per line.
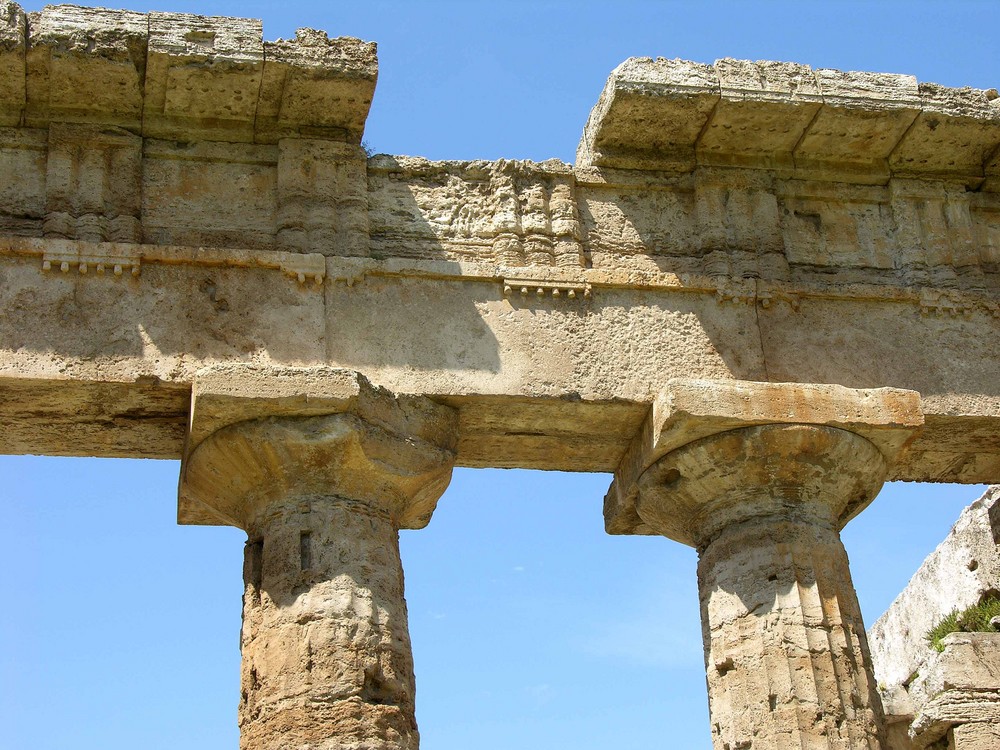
<point x="327" y="663"/>
<point x="219" y="209"/>
<point x="687" y="411"/>
<point x="854" y="126"/>
<point x="259" y="436"/>
<point x="786" y="655"/>
<point x="321" y="469"/>
<point x="194" y="247"/>
<point x="957" y="694"/>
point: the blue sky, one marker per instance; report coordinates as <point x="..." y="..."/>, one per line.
<point x="531" y="628"/>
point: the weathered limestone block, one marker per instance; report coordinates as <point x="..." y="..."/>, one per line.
<point x="322" y="470"/>
<point x="515" y="213"/>
<point x="203" y="76"/>
<point x="13" y="43"/>
<point x="687" y="410"/>
<point x="863" y="118"/>
<point x="957" y="694"/>
<point x="316" y="85"/>
<point x="322" y="197"/>
<point x="976" y="736"/>
<point x="86" y="65"/>
<point x="785" y="648"/>
<point x="734" y="224"/>
<point x="24" y="151"/>
<point x="956" y="575"/>
<point x="760" y="478"/>
<point x="650" y="115"/>
<point x="564" y="222"/>
<point x="826" y="124"/>
<point x="935" y="229"/>
<point x="510" y="287"/>
<point x="93" y="184"/>
<point x="898" y="709"/>
<point x="953" y="134"/>
<point x="762" y="112"/>
<point x="209" y="194"/>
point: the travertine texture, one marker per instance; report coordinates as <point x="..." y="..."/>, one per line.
<point x="326" y="650"/>
<point x="964" y="567"/>
<point x="687" y="410"/>
<point x="322" y="470"/>
<point x="785" y="649"/>
<point x="850" y="126"/>
<point x="198" y="260"/>
<point x="957" y="695"/>
<point x="180" y="193"/>
<point x="178" y="76"/>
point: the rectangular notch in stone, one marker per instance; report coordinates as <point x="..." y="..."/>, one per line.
<point x="305" y="551"/>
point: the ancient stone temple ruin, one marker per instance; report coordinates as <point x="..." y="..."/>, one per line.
<point x="761" y="291"/>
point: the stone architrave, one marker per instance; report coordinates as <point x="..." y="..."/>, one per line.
<point x="321" y="469"/>
<point x="760" y="478"/>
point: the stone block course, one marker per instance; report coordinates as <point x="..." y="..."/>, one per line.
<point x="762" y="290"/>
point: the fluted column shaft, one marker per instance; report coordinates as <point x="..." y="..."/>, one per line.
<point x="321" y="471"/>
<point x="787" y="660"/>
<point x="785" y="649"/>
<point x="326" y="648"/>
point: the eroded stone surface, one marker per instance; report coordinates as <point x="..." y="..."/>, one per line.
<point x="852" y="126"/>
<point x="326" y="649"/>
<point x="506" y="288"/>
<point x="192" y="242"/>
<point x="689" y="410"/>
<point x="322" y="470"/>
<point x="963" y="567"/>
<point x="785" y="649"/>
<point x="957" y="694"/>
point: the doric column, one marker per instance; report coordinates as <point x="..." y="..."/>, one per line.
<point x="322" y="470"/>
<point x="760" y="478"/>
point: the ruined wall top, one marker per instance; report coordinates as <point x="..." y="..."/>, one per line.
<point x="176" y="75"/>
<point x="963" y="569"/>
<point x="847" y="126"/>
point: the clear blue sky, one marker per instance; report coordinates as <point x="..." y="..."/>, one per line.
<point x="531" y="628"/>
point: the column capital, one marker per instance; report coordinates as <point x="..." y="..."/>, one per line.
<point x="811" y="473"/>
<point x="712" y="452"/>
<point x="261" y="434"/>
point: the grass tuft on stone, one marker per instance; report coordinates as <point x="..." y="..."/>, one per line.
<point x="974" y="619"/>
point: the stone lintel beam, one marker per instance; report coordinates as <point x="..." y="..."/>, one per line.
<point x="957" y="692"/>
<point x="321" y="469"/>
<point x="181" y="76"/>
<point x="670" y="115"/>
<point x="688" y="410"/>
<point x="261" y="433"/>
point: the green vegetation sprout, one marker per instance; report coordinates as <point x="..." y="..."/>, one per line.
<point x="975" y="619"/>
